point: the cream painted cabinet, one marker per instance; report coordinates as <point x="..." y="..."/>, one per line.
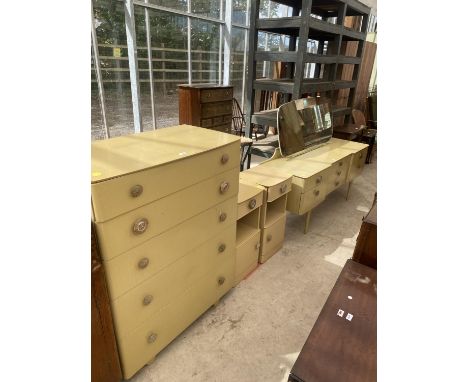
<point x="165" y="207"/>
<point x="273" y="211"/>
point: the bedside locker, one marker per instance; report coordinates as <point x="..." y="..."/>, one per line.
<point x="165" y="209"/>
<point x="273" y="210"/>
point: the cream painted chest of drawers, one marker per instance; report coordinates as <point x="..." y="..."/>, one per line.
<point x="165" y="209"/>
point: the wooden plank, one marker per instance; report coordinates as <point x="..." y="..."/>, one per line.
<point x="367" y="65"/>
<point x="276" y="56"/>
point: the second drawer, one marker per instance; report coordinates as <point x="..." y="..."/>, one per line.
<point x="272" y="239"/>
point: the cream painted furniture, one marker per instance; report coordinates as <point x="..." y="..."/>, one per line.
<point x="248" y="235"/>
<point x="165" y="209"/>
<point x="273" y="211"/>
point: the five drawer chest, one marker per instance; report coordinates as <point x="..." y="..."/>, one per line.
<point x="164" y="205"/>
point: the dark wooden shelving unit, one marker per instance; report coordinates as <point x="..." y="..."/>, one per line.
<point x="302" y="26"/>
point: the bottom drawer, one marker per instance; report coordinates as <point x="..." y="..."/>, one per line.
<point x="247" y="257"/>
<point x="272" y="239"/>
<point x="140" y="346"/>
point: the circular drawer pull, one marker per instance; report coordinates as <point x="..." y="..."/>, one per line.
<point x="338" y="173"/>
<point x="252" y="204"/>
<point x="221" y="280"/>
<point x="151" y="338"/>
<point x="222" y="248"/>
<point x="224" y="187"/>
<point x="269" y="237"/>
<point x="224" y="158"/>
<point x="222" y="216"/>
<point x="360" y="155"/>
<point x="283" y="188"/>
<point x="257" y="246"/>
<point x="208" y="94"/>
<point x="228" y="92"/>
<point x="136" y="190"/>
<point x="316" y="192"/>
<point x="318" y="180"/>
<point x="340" y="164"/>
<point x="143" y="263"/>
<point x="140" y="226"/>
<point x="147" y="299"/>
<point x="337" y="183"/>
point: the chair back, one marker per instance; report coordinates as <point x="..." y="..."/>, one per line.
<point x="358" y="117"/>
<point x="238" y="120"/>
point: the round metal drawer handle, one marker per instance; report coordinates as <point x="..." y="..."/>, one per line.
<point x="136" y="190"/>
<point x="221" y="280"/>
<point x="316" y="192"/>
<point x="269" y="237"/>
<point x="319" y="180"/>
<point x="340" y="164"/>
<point x="143" y="263"/>
<point x="283" y="188"/>
<point x="222" y="248"/>
<point x="224" y="158"/>
<point x="338" y="173"/>
<point x="257" y="246"/>
<point x="208" y="94"/>
<point x="224" y="187"/>
<point x="360" y="155"/>
<point x="147" y="299"/>
<point x="337" y="183"/>
<point x="222" y="216"/>
<point x="252" y="204"/>
<point x="151" y="338"/>
<point x="140" y="226"/>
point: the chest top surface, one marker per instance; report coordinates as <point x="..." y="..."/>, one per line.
<point x="295" y="166"/>
<point x="347" y="145"/>
<point x="327" y="153"/>
<point x="132" y="153"/>
<point x="247" y="191"/>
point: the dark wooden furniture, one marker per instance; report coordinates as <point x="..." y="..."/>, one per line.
<point x="206" y="105"/>
<point x="349" y="131"/>
<point x="368" y="135"/>
<point x="105" y="363"/>
<point x="339" y="349"/>
<point x="365" y="251"/>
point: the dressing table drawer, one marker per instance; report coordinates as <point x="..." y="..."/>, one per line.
<point x="272" y="238"/>
<point x="247" y="256"/>
<point x="357" y="164"/>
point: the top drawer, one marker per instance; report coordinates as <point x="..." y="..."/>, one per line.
<point x="276" y="184"/>
<point x="116" y="196"/>
<point x="216" y="109"/>
<point x="357" y="163"/>
<point x="211" y="95"/>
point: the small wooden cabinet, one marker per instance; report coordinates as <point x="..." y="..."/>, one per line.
<point x="206" y="105"/>
<point x="273" y="210"/>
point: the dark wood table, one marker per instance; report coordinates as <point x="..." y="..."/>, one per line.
<point x="365" y="251"/>
<point x="340" y="347"/>
<point x="349" y="131"/>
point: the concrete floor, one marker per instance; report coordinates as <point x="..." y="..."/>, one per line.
<point x="257" y="330"/>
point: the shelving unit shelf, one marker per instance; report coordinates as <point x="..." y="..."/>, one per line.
<point x="319" y="20"/>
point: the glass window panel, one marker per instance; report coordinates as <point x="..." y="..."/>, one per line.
<point x="109" y="21"/>
<point x="169" y="60"/>
<point x="97" y="123"/>
<point x="211" y="8"/>
<point x="271" y="10"/>
<point x="205" y="51"/>
<point x="180" y="5"/>
<point x="237" y="61"/>
<point x="239" y="12"/>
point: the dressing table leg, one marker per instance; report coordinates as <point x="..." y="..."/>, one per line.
<point x="306" y="222"/>
<point x="349" y="187"/>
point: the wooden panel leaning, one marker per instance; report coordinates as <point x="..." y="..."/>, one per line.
<point x="165" y="208"/>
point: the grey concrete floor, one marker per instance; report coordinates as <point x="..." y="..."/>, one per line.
<point x="257" y="330"/>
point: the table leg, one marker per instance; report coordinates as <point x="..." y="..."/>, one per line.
<point x="349" y="187"/>
<point x="306" y="222"/>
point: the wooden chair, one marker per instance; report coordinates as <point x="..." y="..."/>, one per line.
<point x="368" y="135"/>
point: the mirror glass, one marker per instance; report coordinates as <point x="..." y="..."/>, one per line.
<point x="303" y="123"/>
